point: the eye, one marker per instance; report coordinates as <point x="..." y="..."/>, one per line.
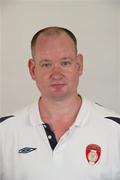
<point x="66" y="63"/>
<point x="46" y="65"/>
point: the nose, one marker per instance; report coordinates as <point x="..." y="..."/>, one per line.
<point x="56" y="73"/>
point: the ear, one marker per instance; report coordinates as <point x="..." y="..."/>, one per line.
<point x="31" y="66"/>
<point x="80" y="63"/>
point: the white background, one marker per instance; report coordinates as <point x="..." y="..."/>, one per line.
<point x="96" y="24"/>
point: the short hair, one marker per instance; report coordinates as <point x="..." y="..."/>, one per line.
<point x="52" y="30"/>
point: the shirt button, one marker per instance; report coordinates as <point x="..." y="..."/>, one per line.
<point x="45" y="126"/>
<point x="49" y="137"/>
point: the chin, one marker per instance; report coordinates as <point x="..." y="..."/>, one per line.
<point x="59" y="96"/>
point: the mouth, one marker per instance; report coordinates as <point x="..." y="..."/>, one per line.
<point x="58" y="85"/>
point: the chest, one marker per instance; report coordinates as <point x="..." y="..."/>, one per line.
<point x="69" y="160"/>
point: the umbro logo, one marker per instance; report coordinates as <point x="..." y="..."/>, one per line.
<point x="26" y="150"/>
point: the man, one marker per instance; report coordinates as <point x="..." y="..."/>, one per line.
<point x="62" y="136"/>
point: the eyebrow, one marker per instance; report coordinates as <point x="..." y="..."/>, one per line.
<point x="44" y="60"/>
<point x="49" y="60"/>
<point x="65" y="58"/>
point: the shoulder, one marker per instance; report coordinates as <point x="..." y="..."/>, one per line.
<point x="114" y="118"/>
<point x="5" y="118"/>
<point x="104" y="121"/>
<point x="17" y="124"/>
<point x="105" y="115"/>
<point x="17" y="118"/>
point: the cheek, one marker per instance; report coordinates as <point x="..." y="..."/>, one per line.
<point x="41" y="78"/>
<point x="74" y="80"/>
<point x="73" y="76"/>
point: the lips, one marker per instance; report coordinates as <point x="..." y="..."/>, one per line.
<point x="58" y="85"/>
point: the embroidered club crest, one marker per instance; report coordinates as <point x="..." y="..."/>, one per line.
<point x="93" y="152"/>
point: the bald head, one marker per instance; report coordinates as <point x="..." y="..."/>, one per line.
<point x="52" y="32"/>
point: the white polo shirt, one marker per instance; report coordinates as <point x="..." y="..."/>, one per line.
<point x="89" y="150"/>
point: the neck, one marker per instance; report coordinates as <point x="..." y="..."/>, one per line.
<point x="53" y="110"/>
<point x="60" y="115"/>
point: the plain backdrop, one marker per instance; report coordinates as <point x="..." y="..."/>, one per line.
<point x="96" y="24"/>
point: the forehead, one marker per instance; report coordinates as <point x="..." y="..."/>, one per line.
<point x="56" y="43"/>
<point x="54" y="38"/>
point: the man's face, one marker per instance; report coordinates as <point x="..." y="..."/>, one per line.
<point x="56" y="67"/>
